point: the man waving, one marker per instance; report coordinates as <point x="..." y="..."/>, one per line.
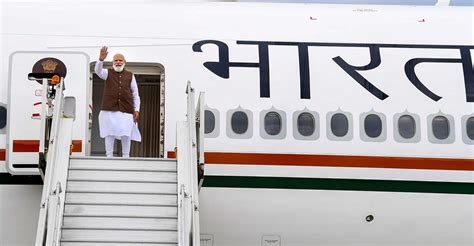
<point x="120" y="104"/>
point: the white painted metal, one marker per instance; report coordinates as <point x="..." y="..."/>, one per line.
<point x="57" y="157"/>
<point x="43" y="114"/>
<point x="119" y="236"/>
<point x="24" y="97"/>
<point x="184" y="220"/>
<point x="120" y="211"/>
<point x="117" y="244"/>
<point x="122" y="176"/>
<point x="188" y="163"/>
<point x="135" y="201"/>
<point x="122" y="199"/>
<point x="405" y="219"/>
<point x="119" y="164"/>
<point x="200" y="127"/>
<point x="120" y="223"/>
<point x="122" y="187"/>
<point x="198" y="154"/>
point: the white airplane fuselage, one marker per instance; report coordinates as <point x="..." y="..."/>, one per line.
<point x="333" y="124"/>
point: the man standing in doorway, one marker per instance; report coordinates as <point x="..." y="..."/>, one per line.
<point x="118" y="115"/>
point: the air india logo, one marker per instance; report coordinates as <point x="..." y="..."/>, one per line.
<point x="50" y="65"/>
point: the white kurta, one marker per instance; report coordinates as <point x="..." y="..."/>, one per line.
<point x="116" y="123"/>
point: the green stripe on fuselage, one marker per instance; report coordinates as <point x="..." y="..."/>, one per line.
<point x="301" y="184"/>
<point x="338" y="184"/>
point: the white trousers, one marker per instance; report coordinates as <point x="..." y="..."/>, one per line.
<point x="116" y="123"/>
<point x="109" y="146"/>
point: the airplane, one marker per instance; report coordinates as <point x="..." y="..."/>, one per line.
<point x="325" y="124"/>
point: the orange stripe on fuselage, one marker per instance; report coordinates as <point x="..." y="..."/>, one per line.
<point x="337" y="161"/>
<point x="33" y="145"/>
<point x="26" y="145"/>
<point x="171" y="154"/>
<point x="76" y="145"/>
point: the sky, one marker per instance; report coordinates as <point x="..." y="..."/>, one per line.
<point x="384" y="2"/>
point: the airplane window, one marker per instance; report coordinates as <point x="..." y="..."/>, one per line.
<point x="209" y="121"/>
<point x="406" y="126"/>
<point x="239" y="122"/>
<point x="440" y="127"/>
<point x="272" y="123"/>
<point x="3" y="117"/>
<point x="470" y="128"/>
<point x="306" y="124"/>
<point x="373" y="125"/>
<point x="339" y="125"/>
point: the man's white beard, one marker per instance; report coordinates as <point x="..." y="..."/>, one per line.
<point x="118" y="69"/>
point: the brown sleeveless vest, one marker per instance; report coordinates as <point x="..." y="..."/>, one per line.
<point x="117" y="94"/>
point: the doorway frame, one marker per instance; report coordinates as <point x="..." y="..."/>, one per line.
<point x="142" y="68"/>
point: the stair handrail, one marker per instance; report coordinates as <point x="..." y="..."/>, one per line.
<point x="57" y="158"/>
<point x="198" y="151"/>
<point x="190" y="143"/>
<point x="200" y="115"/>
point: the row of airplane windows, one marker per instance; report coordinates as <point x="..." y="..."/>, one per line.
<point x="373" y="126"/>
<point x="340" y="127"/>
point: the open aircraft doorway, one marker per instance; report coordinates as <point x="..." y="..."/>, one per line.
<point x="150" y="80"/>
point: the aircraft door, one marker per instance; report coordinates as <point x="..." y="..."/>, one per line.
<point x="24" y="104"/>
<point x="150" y="81"/>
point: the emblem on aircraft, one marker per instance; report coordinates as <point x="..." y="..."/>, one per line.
<point x="50" y="65"/>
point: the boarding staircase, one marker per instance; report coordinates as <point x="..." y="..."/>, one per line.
<point x="116" y="201"/>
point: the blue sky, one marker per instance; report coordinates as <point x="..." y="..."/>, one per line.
<point x="389" y="2"/>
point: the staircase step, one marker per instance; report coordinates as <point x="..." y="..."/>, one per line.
<point x="115" y="244"/>
<point x="120" y="202"/>
<point x="120" y="223"/>
<point x="127" y="176"/>
<point x="121" y="211"/>
<point x="119" y="164"/>
<point x="122" y="187"/>
<point x="119" y="236"/>
<point x="122" y="199"/>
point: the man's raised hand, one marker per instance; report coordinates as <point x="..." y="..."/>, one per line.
<point x="103" y="53"/>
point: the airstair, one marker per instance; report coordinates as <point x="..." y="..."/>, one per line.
<point x="116" y="201"/>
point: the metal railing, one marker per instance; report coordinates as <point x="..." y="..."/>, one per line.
<point x="190" y="159"/>
<point x="56" y="144"/>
